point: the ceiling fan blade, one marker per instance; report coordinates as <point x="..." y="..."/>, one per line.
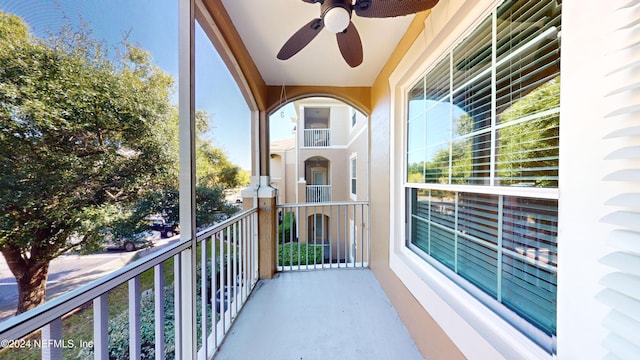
<point x="391" y="8"/>
<point x="350" y="45"/>
<point x="301" y="39"/>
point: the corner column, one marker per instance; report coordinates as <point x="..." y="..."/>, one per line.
<point x="264" y="197"/>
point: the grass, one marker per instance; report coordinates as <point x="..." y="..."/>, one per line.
<point x="78" y="325"/>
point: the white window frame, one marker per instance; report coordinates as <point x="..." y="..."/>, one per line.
<point x="353" y="118"/>
<point x="353" y="193"/>
<point x="476" y="330"/>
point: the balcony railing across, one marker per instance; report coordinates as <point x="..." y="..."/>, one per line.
<point x="317" y="137"/>
<point x="323" y="235"/>
<point x="318" y="193"/>
<point x="226" y="271"/>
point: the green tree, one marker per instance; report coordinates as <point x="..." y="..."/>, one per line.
<point x="79" y="142"/>
<point x="210" y="205"/>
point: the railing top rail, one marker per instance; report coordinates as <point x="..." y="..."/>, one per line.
<point x="25" y="323"/>
<point x="219" y="227"/>
<point x="335" y="203"/>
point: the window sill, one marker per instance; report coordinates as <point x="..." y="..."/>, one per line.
<point x="476" y="330"/>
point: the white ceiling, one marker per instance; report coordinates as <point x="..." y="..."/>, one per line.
<point x="265" y="25"/>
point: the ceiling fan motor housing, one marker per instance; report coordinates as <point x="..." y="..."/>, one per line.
<point x="336" y="14"/>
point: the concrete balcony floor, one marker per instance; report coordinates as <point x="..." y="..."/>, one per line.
<point x="330" y="314"/>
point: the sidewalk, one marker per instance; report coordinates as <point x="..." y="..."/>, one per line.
<point x="67" y="273"/>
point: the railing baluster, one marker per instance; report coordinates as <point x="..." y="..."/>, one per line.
<point x="233" y="294"/>
<point x="52" y="344"/>
<point x="247" y="259"/>
<point x="226" y="294"/>
<point x="346" y="237"/>
<point x="330" y="237"/>
<point x="239" y="294"/>
<point x="322" y="234"/>
<point x="214" y="281"/>
<point x="368" y="235"/>
<point x="158" y="284"/>
<point x="101" y="327"/>
<point x="291" y="244"/>
<point x="339" y="236"/>
<point x="204" y="273"/>
<point x="220" y="298"/>
<point x="362" y="236"/>
<point x="295" y="217"/>
<point x="177" y="304"/>
<point x="135" y="346"/>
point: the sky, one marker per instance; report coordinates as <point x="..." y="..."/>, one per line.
<point x="153" y="25"/>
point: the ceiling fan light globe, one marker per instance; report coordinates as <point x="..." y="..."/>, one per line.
<point x="337" y="19"/>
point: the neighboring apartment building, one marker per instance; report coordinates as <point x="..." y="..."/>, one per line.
<point x="325" y="157"/>
<point x="325" y="161"/>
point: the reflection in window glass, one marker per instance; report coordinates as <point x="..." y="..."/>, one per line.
<point x="486" y="144"/>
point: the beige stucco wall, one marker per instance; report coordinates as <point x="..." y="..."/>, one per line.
<point x="428" y="335"/>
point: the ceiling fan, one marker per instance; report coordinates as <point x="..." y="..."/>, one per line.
<point x="335" y="16"/>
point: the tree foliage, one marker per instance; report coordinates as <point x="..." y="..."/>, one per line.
<point x="78" y="138"/>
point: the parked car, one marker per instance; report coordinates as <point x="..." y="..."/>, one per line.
<point x="165" y="228"/>
<point x="130" y="243"/>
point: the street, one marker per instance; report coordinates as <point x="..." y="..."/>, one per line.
<point x="67" y="272"/>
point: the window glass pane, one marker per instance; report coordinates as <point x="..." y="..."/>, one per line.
<point x="527" y="153"/>
<point x="530" y="292"/>
<point x="472" y="150"/>
<point x="462" y="160"/>
<point x="478" y="215"/>
<point x="528" y="93"/>
<point x="437" y="165"/>
<point x="472" y="57"/>
<point x="419" y="200"/>
<point x="416" y="100"/>
<point x="477" y="240"/>
<point x="438" y="123"/>
<point x="417" y="130"/>
<point x="526" y="23"/>
<point x="530" y="230"/>
<point x="474" y="98"/>
<point x="415" y="166"/>
<point x="478" y="263"/>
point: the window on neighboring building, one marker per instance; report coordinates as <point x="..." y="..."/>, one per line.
<point x="482" y="164"/>
<point x="353" y="118"/>
<point x="353" y="176"/>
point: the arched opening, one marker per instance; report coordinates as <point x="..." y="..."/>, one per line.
<point x="318" y="139"/>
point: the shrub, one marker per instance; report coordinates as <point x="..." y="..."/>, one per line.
<point x="286" y="228"/>
<point x="119" y="330"/>
<point x="309" y="254"/>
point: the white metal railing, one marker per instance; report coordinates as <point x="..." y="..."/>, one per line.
<point x="318" y="193"/>
<point x="323" y="235"/>
<point x="317" y="137"/>
<point x="228" y="262"/>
